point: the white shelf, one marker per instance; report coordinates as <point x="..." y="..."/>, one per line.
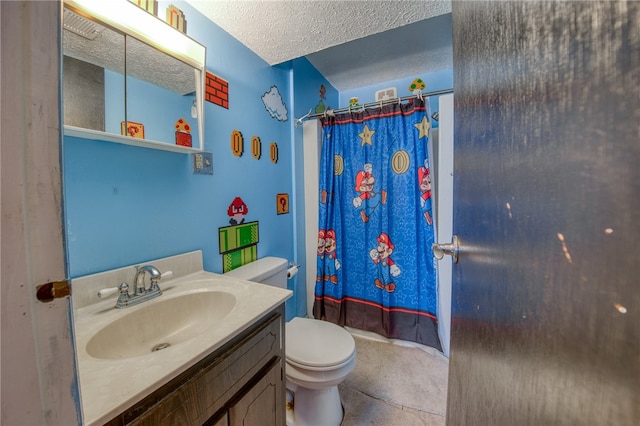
<point x="126" y="140"/>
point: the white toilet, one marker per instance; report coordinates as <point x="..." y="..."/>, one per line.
<point x="319" y="354"/>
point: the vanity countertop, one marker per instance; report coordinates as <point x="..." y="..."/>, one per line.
<point x="108" y="386"/>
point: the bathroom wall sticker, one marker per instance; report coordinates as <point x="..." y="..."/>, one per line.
<point x="273" y="152"/>
<point x="175" y="18"/>
<point x="239" y="242"/>
<point x="417" y="86"/>
<point x="237" y="143"/>
<point x="320" y="108"/>
<point x="282" y="203"/>
<point x="183" y="132"/>
<point x="238" y="245"/>
<point x="216" y="90"/>
<point x="150" y="6"/>
<point x="256" y="147"/>
<point x="132" y="129"/>
<point x="237" y="211"/>
<point x="274" y="104"/>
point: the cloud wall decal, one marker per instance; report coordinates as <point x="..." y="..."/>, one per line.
<point x="272" y="101"/>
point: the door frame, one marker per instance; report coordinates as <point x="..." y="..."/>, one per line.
<point x="39" y="379"/>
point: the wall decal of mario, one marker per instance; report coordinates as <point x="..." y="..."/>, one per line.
<point x="320" y="262"/>
<point x="424" y="182"/>
<point x="237" y="211"/>
<point x="368" y="200"/>
<point x="331" y="264"/>
<point x="387" y="268"/>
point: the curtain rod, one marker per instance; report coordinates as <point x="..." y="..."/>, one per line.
<point x="373" y="104"/>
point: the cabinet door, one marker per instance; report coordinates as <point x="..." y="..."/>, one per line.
<point x="262" y="404"/>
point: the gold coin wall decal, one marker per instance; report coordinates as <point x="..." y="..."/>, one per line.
<point x="256" y="147"/>
<point x="237" y="143"/>
<point x="338" y="165"/>
<point x="400" y="162"/>
<point x="273" y="152"/>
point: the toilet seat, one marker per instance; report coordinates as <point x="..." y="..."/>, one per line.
<point x="318" y="345"/>
<point x="322" y="368"/>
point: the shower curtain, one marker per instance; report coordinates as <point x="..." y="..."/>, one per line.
<point x="375" y="268"/>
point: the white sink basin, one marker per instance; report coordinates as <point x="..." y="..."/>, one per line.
<point x="160" y="324"/>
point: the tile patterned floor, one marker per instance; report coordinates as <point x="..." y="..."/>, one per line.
<point x="395" y="385"/>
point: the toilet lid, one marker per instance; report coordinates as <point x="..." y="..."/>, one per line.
<point x="317" y="343"/>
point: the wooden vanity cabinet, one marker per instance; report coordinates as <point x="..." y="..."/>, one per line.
<point x="241" y="383"/>
<point x="256" y="405"/>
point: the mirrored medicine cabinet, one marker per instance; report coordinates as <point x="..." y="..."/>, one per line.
<point x="131" y="78"/>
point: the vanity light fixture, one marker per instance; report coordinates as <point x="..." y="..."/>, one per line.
<point x="131" y="19"/>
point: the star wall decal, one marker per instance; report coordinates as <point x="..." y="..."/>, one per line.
<point x="366" y="135"/>
<point x="423" y="127"/>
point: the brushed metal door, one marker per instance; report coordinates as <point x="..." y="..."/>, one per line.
<point x="545" y="310"/>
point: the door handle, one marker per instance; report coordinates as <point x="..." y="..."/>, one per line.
<point x="452" y="249"/>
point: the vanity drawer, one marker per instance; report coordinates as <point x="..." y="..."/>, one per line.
<point x="200" y="392"/>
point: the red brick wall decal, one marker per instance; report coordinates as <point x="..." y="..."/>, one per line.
<point x="216" y="90"/>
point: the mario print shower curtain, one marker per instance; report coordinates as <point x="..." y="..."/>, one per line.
<point x="375" y="268"/>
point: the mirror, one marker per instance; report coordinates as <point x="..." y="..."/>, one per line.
<point x="91" y="53"/>
<point x="120" y="84"/>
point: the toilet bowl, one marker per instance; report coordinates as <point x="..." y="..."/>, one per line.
<point x="318" y="355"/>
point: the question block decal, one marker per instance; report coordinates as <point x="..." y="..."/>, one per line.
<point x="282" y="203"/>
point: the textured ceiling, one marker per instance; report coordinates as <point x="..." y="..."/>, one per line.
<point x="352" y="43"/>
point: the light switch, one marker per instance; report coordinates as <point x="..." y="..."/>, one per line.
<point x="202" y="163"/>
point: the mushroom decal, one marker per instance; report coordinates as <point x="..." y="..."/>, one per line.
<point x="417" y="86"/>
<point x="183" y="132"/>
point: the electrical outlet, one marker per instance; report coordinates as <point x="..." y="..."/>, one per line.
<point x="202" y="163"/>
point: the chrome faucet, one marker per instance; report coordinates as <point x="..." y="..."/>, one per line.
<point x="154" y="275"/>
<point x="140" y="292"/>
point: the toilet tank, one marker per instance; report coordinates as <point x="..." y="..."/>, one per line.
<point x="268" y="270"/>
